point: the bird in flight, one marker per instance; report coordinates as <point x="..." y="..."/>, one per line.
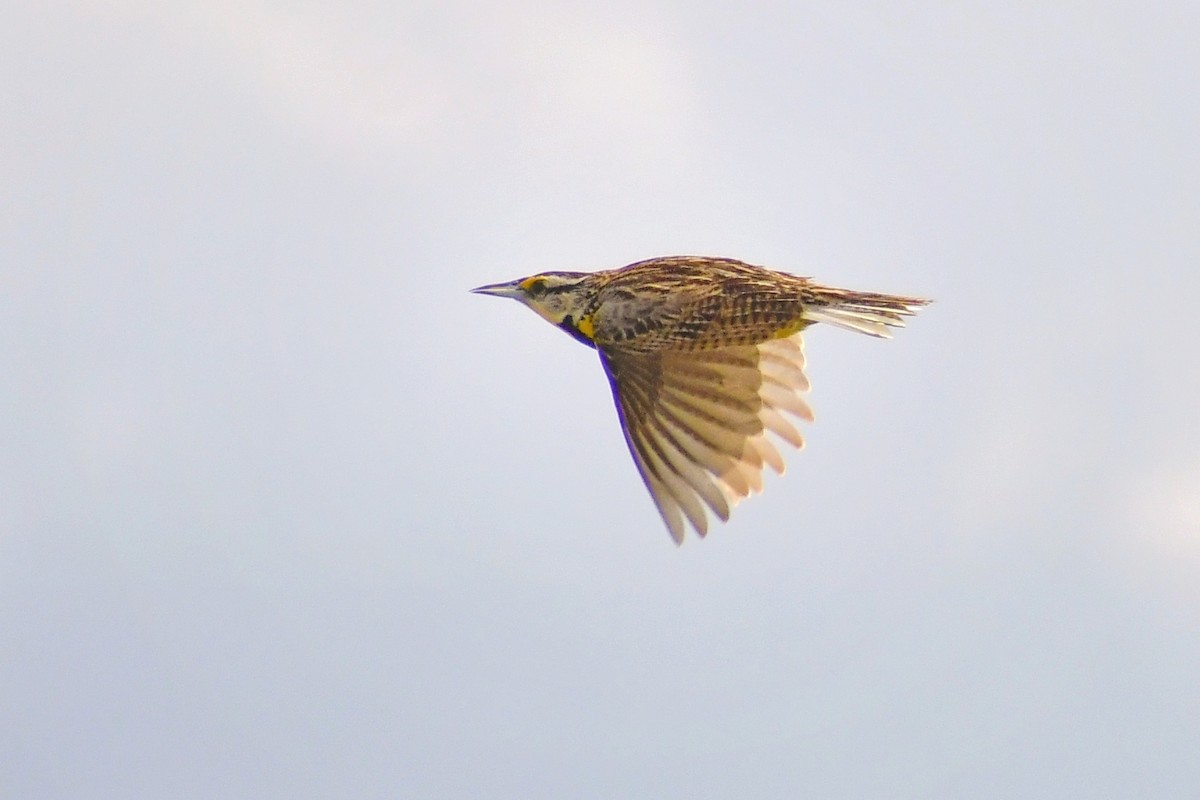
<point x="705" y="357"/>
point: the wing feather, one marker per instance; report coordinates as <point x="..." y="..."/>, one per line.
<point x="696" y="421"/>
<point x="629" y="387"/>
<point x="680" y="493"/>
<point x="728" y="470"/>
<point x="778" y="425"/>
<point x="786" y="399"/>
<point x="720" y="440"/>
<point x="683" y="461"/>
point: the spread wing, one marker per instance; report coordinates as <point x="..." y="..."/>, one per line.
<point x="696" y="421"/>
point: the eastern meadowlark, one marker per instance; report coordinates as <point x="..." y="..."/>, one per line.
<point x="705" y="357"/>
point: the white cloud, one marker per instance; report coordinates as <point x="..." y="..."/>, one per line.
<point x="337" y="75"/>
<point x="1163" y="512"/>
<point x="600" y="79"/>
<point x="1021" y="452"/>
<point x="423" y="80"/>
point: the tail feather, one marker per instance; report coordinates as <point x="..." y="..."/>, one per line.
<point x="865" y="312"/>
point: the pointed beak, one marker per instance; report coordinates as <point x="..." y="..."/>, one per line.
<point x="511" y="289"/>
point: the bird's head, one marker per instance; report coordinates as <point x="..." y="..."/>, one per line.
<point x="560" y="298"/>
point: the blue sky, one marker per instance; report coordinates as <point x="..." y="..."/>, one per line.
<point x="286" y="512"/>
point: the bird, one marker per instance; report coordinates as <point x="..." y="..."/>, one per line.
<point x="705" y="357"/>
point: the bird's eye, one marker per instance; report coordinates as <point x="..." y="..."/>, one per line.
<point x="536" y="287"/>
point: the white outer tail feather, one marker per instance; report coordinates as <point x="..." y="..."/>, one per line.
<point x="871" y="320"/>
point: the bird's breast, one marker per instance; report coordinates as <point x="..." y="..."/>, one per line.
<point x="582" y="330"/>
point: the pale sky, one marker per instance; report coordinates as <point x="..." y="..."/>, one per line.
<point x="286" y="513"/>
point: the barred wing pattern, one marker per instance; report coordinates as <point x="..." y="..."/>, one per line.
<point x="696" y="421"/>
